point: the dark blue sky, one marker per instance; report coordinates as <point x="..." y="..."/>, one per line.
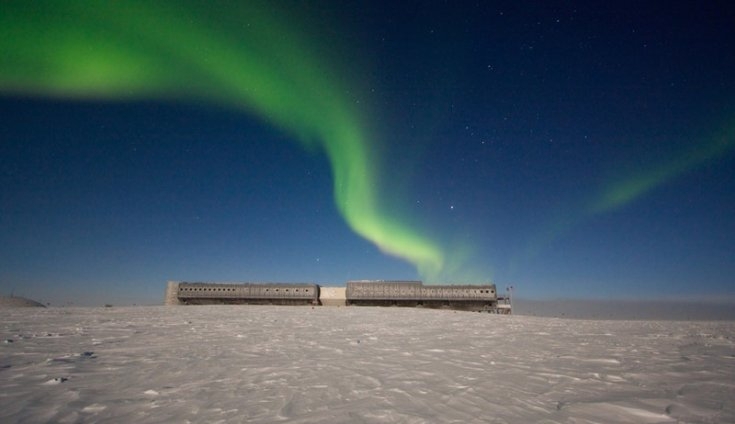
<point x="500" y="129"/>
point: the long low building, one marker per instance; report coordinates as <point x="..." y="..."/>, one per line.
<point x="356" y="293"/>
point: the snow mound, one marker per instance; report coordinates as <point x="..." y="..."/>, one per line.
<point x="18" y="302"/>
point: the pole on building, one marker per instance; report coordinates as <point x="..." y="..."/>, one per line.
<point x="509" y="289"/>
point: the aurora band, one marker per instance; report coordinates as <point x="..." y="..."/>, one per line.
<point x="243" y="58"/>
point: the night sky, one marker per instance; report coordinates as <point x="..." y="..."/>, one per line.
<point x="570" y="149"/>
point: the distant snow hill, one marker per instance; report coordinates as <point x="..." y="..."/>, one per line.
<point x="18" y="302"/>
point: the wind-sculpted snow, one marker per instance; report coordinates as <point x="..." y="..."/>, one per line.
<point x="358" y="364"/>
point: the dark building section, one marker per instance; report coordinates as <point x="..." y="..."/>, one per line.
<point x="246" y="294"/>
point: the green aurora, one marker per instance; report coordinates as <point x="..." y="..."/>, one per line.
<point x="622" y="190"/>
<point x="245" y="59"/>
<point x="250" y="60"/>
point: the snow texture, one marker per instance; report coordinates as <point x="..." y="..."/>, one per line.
<point x="358" y="364"/>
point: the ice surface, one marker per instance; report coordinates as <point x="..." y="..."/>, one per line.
<point x="358" y="364"/>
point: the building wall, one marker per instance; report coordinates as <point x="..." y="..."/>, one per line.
<point x="332" y="296"/>
<point x="172" y="291"/>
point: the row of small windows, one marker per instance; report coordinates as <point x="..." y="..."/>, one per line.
<point x="286" y="290"/>
<point x="207" y="289"/>
<point x="394" y="290"/>
<point x="224" y="289"/>
<point x="463" y="291"/>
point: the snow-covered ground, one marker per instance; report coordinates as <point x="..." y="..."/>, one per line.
<point x="358" y="364"/>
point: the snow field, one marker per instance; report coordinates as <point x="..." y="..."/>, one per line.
<point x="358" y="364"/>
